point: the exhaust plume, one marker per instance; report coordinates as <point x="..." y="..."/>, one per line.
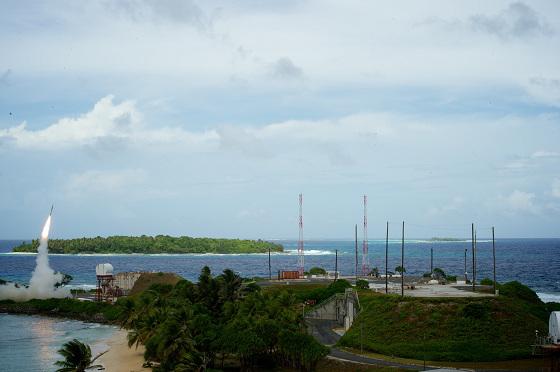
<point x="43" y="278"/>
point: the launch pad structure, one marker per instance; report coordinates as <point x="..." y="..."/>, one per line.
<point x="111" y="286"/>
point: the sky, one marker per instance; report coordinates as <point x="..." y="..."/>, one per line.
<point x="209" y="118"/>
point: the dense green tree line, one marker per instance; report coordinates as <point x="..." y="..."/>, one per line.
<point x="195" y="327"/>
<point x="152" y="244"/>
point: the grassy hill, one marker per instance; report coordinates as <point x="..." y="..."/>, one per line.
<point x="465" y="329"/>
<point x="152" y="244"/>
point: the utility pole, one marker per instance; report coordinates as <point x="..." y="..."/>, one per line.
<point x="472" y="247"/>
<point x="475" y="256"/>
<point x="466" y="266"/>
<point x="269" y="267"/>
<point x="301" y="254"/>
<point x="356" y="247"/>
<point x="494" y="258"/>
<point x="335" y="265"/>
<point x="365" y="249"/>
<point x="432" y="260"/>
<point x="402" y="262"/>
<point x="386" y="259"/>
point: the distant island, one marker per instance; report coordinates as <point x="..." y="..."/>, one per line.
<point x="152" y="245"/>
<point x="438" y="239"/>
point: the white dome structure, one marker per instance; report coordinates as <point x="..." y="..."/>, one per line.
<point x="104" y="269"/>
<point x="554" y="327"/>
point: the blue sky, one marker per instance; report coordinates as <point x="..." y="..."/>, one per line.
<point x="209" y="118"/>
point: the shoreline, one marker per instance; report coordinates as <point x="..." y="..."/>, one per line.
<point x="119" y="357"/>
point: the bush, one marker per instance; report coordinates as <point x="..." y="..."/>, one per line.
<point x="427" y="275"/>
<point x="517" y="290"/>
<point x="439" y="273"/>
<point x="362" y="284"/>
<point x="321" y="294"/>
<point x="475" y="310"/>
<point x="552" y="306"/>
<point x="317" y="271"/>
<point x="451" y="278"/>
<point x="301" y="350"/>
<point x="486" y="281"/>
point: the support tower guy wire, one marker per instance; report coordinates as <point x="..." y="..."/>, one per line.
<point x="301" y="261"/>
<point x="365" y="257"/>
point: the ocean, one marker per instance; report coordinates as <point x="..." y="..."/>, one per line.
<point x="32" y="341"/>
<point x="534" y="262"/>
<point x="29" y="343"/>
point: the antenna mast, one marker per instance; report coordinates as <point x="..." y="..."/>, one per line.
<point x="300" y="241"/>
<point x="365" y="258"/>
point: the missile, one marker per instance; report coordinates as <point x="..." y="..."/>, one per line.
<point x="52" y="206"/>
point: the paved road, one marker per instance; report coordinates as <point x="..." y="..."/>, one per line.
<point x="322" y="331"/>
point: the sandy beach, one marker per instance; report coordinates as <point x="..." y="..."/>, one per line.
<point x="121" y="358"/>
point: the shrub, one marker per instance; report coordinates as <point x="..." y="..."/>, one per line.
<point x="427" y="275"/>
<point x="486" y="281"/>
<point x="439" y="273"/>
<point x="475" y="310"/>
<point x="362" y="284"/>
<point x="552" y="306"/>
<point x="317" y="271"/>
<point x="400" y="269"/>
<point x="517" y="290"/>
<point x="451" y="278"/>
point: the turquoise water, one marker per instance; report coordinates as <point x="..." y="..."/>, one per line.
<point x="29" y="343"/>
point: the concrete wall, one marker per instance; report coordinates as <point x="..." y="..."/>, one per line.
<point x="341" y="307"/>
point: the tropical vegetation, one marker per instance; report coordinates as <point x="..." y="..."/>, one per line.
<point x="152" y="244"/>
<point x="317" y="271"/>
<point x="77" y="357"/>
<point x="217" y="321"/>
<point x="451" y="329"/>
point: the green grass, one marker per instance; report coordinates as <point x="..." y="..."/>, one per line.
<point x="458" y="329"/>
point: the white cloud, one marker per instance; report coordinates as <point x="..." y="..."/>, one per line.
<point x="519" y="202"/>
<point x="107" y="125"/>
<point x="105" y="120"/>
<point x="545" y="89"/>
<point x="545" y="154"/>
<point x="556" y="188"/>
<point x="454" y="205"/>
<point x="103" y="182"/>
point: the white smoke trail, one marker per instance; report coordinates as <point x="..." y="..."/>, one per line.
<point x="43" y="279"/>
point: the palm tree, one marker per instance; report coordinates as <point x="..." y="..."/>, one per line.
<point x="230" y="284"/>
<point x="77" y="357"/>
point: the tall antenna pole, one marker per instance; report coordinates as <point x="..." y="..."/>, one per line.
<point x="402" y="262"/>
<point x="472" y="248"/>
<point x="365" y="258"/>
<point x="466" y="266"/>
<point x="432" y="260"/>
<point x="300" y="241"/>
<point x="356" y="246"/>
<point x="269" y="267"/>
<point x="336" y="265"/>
<point x="494" y="257"/>
<point x="475" y="256"/>
<point x="386" y="259"/>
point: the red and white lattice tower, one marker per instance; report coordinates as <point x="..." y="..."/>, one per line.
<point x="365" y="257"/>
<point x="300" y="250"/>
